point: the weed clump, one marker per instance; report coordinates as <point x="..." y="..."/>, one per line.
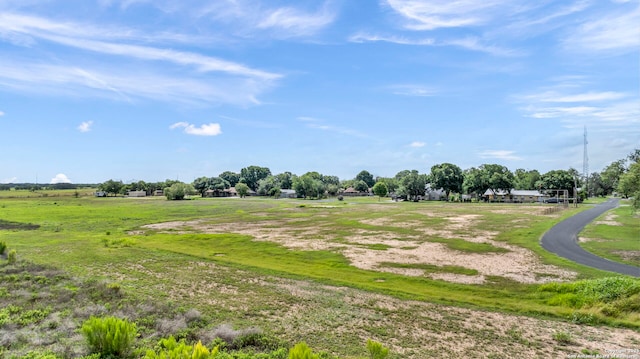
<point x="12" y="256"/>
<point x="110" y="336"/>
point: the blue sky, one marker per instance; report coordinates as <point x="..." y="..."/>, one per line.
<point x="150" y="90"/>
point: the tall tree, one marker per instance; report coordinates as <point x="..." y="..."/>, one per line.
<point x="557" y="180"/>
<point x="448" y="177"/>
<point x="111" y="186"/>
<point x="366" y="177"/>
<point x="285" y="179"/>
<point x="526" y="179"/>
<point x="611" y="175"/>
<point x="231" y="177"/>
<point x="629" y="184"/>
<point x="413" y="185"/>
<point x="252" y="174"/>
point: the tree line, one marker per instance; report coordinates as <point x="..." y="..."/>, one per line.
<point x="622" y="176"/>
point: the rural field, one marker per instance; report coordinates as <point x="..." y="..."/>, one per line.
<point x="427" y="280"/>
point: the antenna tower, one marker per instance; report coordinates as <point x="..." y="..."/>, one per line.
<point x="585" y="163"/>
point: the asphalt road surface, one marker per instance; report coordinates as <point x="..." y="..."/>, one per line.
<point x="562" y="239"/>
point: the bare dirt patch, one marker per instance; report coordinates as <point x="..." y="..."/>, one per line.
<point x="516" y="263"/>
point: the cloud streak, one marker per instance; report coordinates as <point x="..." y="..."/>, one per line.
<point x="209" y="129"/>
<point x="499" y="154"/>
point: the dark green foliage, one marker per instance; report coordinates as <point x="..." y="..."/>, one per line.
<point x="3" y="247"/>
<point x="110" y="336"/>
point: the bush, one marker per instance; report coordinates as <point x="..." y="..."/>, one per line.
<point x="3" y="247"/>
<point x="12" y="256"/>
<point x="110" y="336"/>
<point x="302" y="351"/>
<point x="172" y="349"/>
<point x="376" y="350"/>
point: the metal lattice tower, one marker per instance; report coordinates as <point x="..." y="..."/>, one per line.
<point x="585" y="163"/>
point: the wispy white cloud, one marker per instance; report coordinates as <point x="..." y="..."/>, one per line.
<point x="60" y="178"/>
<point x="1" y="113"/>
<point x="295" y="22"/>
<point x="499" y="154"/>
<point x="256" y="19"/>
<point x="192" y="77"/>
<point x="613" y="31"/>
<point x="401" y="40"/>
<point x="434" y="14"/>
<point x="567" y="101"/>
<point x="554" y="96"/>
<point x="85" y="126"/>
<point x="413" y="90"/>
<point x="417" y="144"/>
<point x="118" y="84"/>
<point x="210" y="129"/>
<point x="318" y="124"/>
<point x="468" y="43"/>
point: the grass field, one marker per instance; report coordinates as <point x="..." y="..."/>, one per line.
<point x="615" y="235"/>
<point x="332" y="273"/>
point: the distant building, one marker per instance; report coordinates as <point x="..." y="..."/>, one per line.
<point x="288" y="193"/>
<point x="137" y="194"/>
<point x="514" y="196"/>
<point x="100" y="194"/>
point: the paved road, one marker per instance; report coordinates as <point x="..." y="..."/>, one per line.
<point x="562" y="239"/>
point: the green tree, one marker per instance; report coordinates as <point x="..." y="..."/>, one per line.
<point x="557" y="180"/>
<point x="366" y="177"/>
<point x="232" y="177"/>
<point x="285" y="180"/>
<point x="447" y="176"/>
<point x="266" y="185"/>
<point x="253" y="174"/>
<point x="111" y="186"/>
<point x="361" y="186"/>
<point x="380" y="189"/>
<point x="629" y="184"/>
<point x="391" y="183"/>
<point x="178" y="191"/>
<point x="611" y="175"/>
<point x="309" y="186"/>
<point x="242" y="189"/>
<point x="413" y="185"/>
<point x="526" y="179"/>
<point x="201" y="184"/>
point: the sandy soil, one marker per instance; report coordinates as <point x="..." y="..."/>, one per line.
<point x="517" y="263"/>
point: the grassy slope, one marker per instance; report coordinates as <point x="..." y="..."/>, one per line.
<point x="610" y="240"/>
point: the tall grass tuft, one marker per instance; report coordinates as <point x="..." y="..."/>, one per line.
<point x="110" y="336"/>
<point x="3" y="247"/>
<point x="302" y="351"/>
<point x="12" y="256"/>
<point x="377" y="350"/>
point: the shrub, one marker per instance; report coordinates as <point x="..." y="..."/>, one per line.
<point x="172" y="349"/>
<point x="302" y="351"/>
<point x="376" y="350"/>
<point x="3" y="247"/>
<point x="110" y="336"/>
<point x="12" y="256"/>
<point x="562" y="337"/>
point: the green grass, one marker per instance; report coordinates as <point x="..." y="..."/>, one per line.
<point x="92" y="237"/>
<point x="618" y="241"/>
